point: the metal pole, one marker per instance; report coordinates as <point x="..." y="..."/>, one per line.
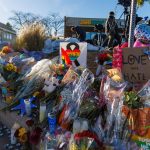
<point x="132" y="22"/>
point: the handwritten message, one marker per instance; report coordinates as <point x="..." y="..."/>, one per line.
<point x="136" y="64"/>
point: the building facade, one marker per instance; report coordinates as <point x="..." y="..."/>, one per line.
<point x="87" y="24"/>
<point x="6" y="33"/>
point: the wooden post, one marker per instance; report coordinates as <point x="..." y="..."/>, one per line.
<point x="132" y="22"/>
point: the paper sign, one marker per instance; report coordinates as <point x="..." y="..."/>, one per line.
<point x="74" y="54"/>
<point x="136" y="64"/>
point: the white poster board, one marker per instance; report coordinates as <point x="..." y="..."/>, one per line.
<point x="73" y="53"/>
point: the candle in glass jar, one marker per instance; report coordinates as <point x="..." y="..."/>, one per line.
<point x="27" y="103"/>
<point x="42" y="111"/>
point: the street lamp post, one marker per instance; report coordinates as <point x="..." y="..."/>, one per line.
<point x="132" y="22"/>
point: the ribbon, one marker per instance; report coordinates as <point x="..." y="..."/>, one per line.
<point x="66" y="57"/>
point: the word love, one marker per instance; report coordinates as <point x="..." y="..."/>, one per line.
<point x="132" y="59"/>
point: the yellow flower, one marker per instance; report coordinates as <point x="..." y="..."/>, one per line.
<point x="15" y="69"/>
<point x="11" y="67"/>
<point x="22" y="131"/>
<point x="23" y="138"/>
<point x="73" y="146"/>
<point x="36" y="94"/>
<point x="116" y="78"/>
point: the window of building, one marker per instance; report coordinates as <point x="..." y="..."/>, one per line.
<point x="5" y="35"/>
<point x="10" y="36"/>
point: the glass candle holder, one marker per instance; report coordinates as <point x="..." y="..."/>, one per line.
<point x="27" y="103"/>
<point x="42" y="113"/>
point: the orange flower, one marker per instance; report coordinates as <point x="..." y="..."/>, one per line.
<point x="6" y="49"/>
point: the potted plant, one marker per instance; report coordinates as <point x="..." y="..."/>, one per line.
<point x="136" y="114"/>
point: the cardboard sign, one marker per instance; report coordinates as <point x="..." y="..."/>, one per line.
<point x="136" y="64"/>
<point x="74" y="54"/>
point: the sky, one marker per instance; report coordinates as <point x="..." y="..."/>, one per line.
<point x="70" y="8"/>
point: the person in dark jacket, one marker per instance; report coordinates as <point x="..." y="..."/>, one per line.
<point x="100" y="36"/>
<point x="111" y="29"/>
<point x="81" y="34"/>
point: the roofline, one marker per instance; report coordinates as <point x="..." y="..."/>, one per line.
<point x="7" y="30"/>
<point x="89" y="18"/>
<point x="84" y="17"/>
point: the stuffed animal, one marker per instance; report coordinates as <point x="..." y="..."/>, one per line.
<point x="51" y="84"/>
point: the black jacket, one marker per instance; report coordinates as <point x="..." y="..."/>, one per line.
<point x="111" y="26"/>
<point x="80" y="33"/>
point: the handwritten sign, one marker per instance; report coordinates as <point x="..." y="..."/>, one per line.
<point x="136" y="64"/>
<point x="73" y="54"/>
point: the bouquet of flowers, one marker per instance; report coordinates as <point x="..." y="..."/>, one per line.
<point x="30" y="137"/>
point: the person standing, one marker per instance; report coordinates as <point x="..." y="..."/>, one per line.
<point x="81" y="34"/>
<point x="100" y="36"/>
<point x="111" y="29"/>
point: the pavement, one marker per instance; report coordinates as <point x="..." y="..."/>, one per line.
<point x="5" y="139"/>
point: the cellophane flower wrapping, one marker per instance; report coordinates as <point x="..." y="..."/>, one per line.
<point x="79" y="87"/>
<point x="34" y="78"/>
<point x="111" y="126"/>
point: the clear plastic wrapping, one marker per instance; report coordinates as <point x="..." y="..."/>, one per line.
<point x="85" y="80"/>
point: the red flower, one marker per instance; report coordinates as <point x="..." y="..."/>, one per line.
<point x="103" y="57"/>
<point x="38" y="130"/>
<point x="29" y="123"/>
<point x="35" y="136"/>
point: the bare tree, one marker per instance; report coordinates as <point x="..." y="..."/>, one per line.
<point x="51" y="22"/>
<point x="20" y="18"/>
<point x="47" y="22"/>
<point x="56" y="22"/>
